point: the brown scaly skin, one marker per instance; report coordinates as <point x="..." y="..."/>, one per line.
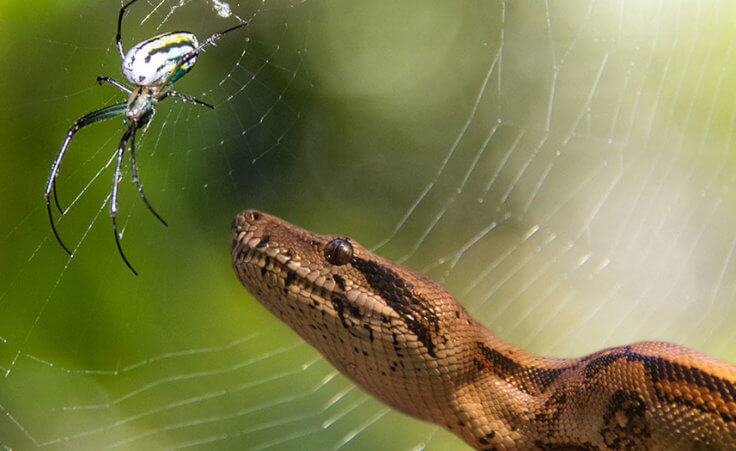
<point x="405" y="339"/>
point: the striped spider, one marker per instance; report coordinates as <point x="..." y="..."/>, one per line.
<point x="152" y="67"/>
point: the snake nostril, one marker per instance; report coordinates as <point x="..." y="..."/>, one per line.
<point x="252" y="215"/>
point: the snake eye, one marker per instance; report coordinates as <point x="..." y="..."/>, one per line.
<point x="338" y="252"/>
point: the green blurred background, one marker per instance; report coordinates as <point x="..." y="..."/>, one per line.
<point x="567" y="170"/>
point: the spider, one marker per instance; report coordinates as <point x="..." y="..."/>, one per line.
<point x="152" y="66"/>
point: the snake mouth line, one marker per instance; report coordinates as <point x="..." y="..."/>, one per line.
<point x="277" y="264"/>
<point x="271" y="265"/>
<point x="261" y="240"/>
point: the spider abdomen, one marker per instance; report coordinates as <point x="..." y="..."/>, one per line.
<point x="161" y="59"/>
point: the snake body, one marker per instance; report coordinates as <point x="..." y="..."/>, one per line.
<point x="404" y="338"/>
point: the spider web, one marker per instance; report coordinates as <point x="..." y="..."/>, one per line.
<point x="565" y="169"/>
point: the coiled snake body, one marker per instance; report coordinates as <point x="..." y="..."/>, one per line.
<point x="402" y="337"/>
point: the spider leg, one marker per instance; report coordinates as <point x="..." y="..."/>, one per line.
<point x="210" y="41"/>
<point x="120" y="23"/>
<point x="113" y="82"/>
<point x="56" y="201"/>
<point x="114" y="194"/>
<point x="89" y="118"/>
<point x="185" y="98"/>
<point x="136" y="181"/>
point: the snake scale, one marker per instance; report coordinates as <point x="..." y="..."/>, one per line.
<point x="405" y="339"/>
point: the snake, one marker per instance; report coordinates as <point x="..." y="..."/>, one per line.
<point x="406" y="340"/>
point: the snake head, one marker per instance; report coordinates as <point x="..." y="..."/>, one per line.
<point x="375" y="320"/>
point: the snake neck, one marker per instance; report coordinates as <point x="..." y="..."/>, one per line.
<point x="402" y="337"/>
